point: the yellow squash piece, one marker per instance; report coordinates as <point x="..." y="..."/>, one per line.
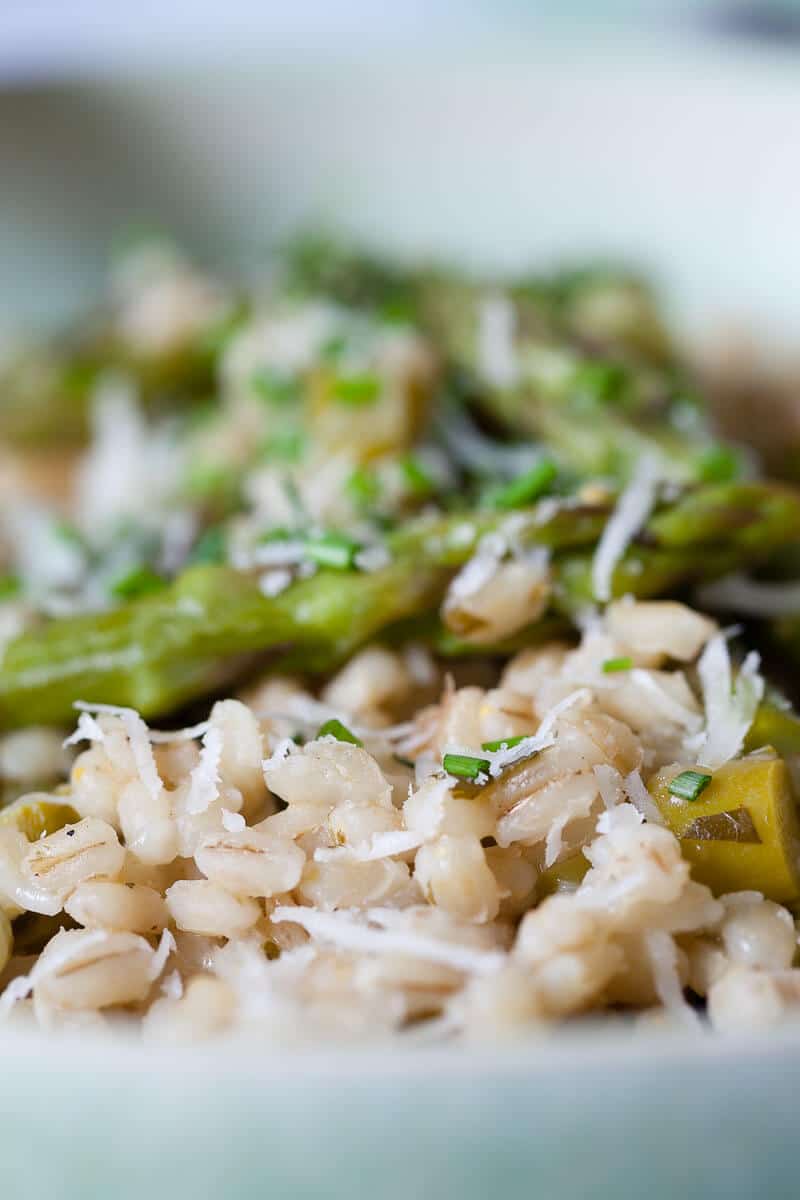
<point x="37" y="815"/>
<point x="742" y="833"/>
<point x="563" y="876"/>
<point x="6" y="939"/>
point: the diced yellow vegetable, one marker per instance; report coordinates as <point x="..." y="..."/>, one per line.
<point x="563" y="876"/>
<point x="6" y="939"/>
<point x="742" y="833"/>
<point x="38" y="814"/>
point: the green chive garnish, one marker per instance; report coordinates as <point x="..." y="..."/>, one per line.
<point x="600" y="383"/>
<point x="10" y="586"/>
<point x="139" y="581"/>
<point x="617" y="664"/>
<point x="210" y="546"/>
<point x="335" y="728"/>
<point x="689" y="784"/>
<point x="415" y="476"/>
<point x="505" y="743"/>
<point x="274" y="386"/>
<point x="719" y="464"/>
<point x="465" y="766"/>
<point x="335" y="550"/>
<point x="357" y="390"/>
<point x="525" y="488"/>
<point x="363" y="487"/>
<point x="287" y="446"/>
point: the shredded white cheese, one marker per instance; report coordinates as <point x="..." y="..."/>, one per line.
<point x="609" y="783"/>
<point x="87" y="730"/>
<point x="730" y="709"/>
<point x="204" y="779"/>
<point x="347" y="931"/>
<point x="496" y="357"/>
<point x="379" y="845"/>
<point x="166" y="946"/>
<point x="632" y="510"/>
<point x="139" y="738"/>
<point x="663" y="955"/>
<point x="273" y="582"/>
<point x="233" y="822"/>
<point x="641" y="799"/>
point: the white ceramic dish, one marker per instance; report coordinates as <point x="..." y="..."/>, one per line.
<point x="680" y="156"/>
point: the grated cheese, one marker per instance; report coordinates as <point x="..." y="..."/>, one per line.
<point x="496" y="325"/>
<point x="139" y="738"/>
<point x="730" y="708"/>
<point x="632" y="510"/>
<point x="641" y="799"/>
<point x="204" y="778"/>
<point x="345" y="930"/>
<point x="233" y="822"/>
<point x="379" y="845"/>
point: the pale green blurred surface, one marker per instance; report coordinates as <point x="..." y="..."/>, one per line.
<point x="647" y="1119"/>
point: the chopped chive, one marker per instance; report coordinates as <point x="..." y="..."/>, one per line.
<point x="600" y="382"/>
<point x="139" y="581"/>
<point x="10" y="586"/>
<point x="211" y="546"/>
<point x="404" y="762"/>
<point x="689" y="784"/>
<point x="333" y="346"/>
<point x="287" y="446"/>
<point x="334" y="728"/>
<point x="210" y="479"/>
<point x="465" y="766"/>
<point x="525" y="488"/>
<point x="505" y="743"/>
<point x="363" y="487"/>
<point x="65" y="531"/>
<point x="275" y="386"/>
<point x="415" y="476"/>
<point x="299" y="738"/>
<point x="357" y="390"/>
<point x="610" y="665"/>
<point x="335" y="550"/>
<point x="719" y="464"/>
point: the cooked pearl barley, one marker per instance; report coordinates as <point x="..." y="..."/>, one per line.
<point x="251" y="863"/>
<point x="454" y="873"/>
<point x="744" y="999"/>
<point x="147" y="825"/>
<point x="653" y="630"/>
<point x="88" y="850"/>
<point x="332" y="885"/>
<point x="99" y="904"/>
<point x="206" y="1007"/>
<point x="516" y="879"/>
<point x="328" y="773"/>
<point x="761" y="934"/>
<point x="707" y="964"/>
<point x="175" y="760"/>
<point x="500" y="1003"/>
<point x="6" y="939"/>
<point x="96" y="785"/>
<point x="514" y="595"/>
<point x="374" y="677"/>
<point x="200" y="906"/>
<point x="242" y="751"/>
<point x="529" y="670"/>
<point x="31" y="756"/>
<point x="434" y="809"/>
<point x="81" y="968"/>
<point x="531" y="820"/>
<point x="351" y="825"/>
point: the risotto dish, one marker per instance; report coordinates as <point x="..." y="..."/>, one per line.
<point x="368" y="665"/>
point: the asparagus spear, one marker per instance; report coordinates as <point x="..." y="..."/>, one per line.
<point x="181" y="642"/>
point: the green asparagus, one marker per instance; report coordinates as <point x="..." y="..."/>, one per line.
<point x="182" y="641"/>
